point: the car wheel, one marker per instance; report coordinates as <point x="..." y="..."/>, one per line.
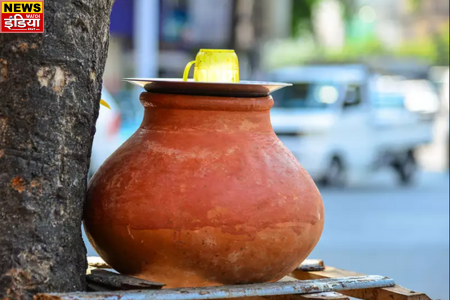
<point x="336" y="174"/>
<point x="406" y="169"/>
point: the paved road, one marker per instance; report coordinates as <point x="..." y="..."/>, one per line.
<point x="381" y="229"/>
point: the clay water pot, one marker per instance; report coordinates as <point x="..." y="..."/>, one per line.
<point x="204" y="193"/>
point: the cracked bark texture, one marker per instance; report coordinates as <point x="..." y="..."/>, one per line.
<point x="50" y="87"/>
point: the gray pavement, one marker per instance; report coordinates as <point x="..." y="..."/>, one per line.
<point x="381" y="229"/>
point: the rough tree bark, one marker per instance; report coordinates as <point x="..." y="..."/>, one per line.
<point x="50" y="88"/>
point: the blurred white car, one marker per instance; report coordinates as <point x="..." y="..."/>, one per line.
<point x="106" y="139"/>
<point x="420" y="96"/>
<point x="342" y="128"/>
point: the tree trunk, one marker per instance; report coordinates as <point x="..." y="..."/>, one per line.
<point x="50" y="88"/>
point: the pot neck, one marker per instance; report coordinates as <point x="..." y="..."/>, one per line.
<point x="206" y="113"/>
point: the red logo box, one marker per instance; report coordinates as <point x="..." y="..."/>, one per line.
<point x="17" y="16"/>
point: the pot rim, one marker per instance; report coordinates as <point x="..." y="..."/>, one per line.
<point x="194" y="102"/>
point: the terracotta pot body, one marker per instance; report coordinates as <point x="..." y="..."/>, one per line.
<point x="204" y="193"/>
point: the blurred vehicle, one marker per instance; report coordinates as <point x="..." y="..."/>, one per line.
<point x="420" y="96"/>
<point x="342" y="126"/>
<point x="106" y="139"/>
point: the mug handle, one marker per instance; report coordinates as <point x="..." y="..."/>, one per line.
<point x="186" y="70"/>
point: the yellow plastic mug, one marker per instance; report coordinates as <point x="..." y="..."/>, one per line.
<point x="214" y="65"/>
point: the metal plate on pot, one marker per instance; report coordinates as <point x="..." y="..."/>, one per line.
<point x="191" y="87"/>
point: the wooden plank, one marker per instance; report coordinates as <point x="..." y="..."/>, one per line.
<point x="312" y="265"/>
<point x="97" y="262"/>
<point x="318" y="296"/>
<point x="287" y="278"/>
<point x="104" y="280"/>
<point x="92" y="287"/>
<point x="232" y="291"/>
<point x="391" y="293"/>
<point x="325" y="296"/>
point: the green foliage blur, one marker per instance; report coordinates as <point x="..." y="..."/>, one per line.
<point x="303" y="48"/>
<point x="302" y="16"/>
<point x="434" y="50"/>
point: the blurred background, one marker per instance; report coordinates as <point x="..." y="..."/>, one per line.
<point x="368" y="115"/>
